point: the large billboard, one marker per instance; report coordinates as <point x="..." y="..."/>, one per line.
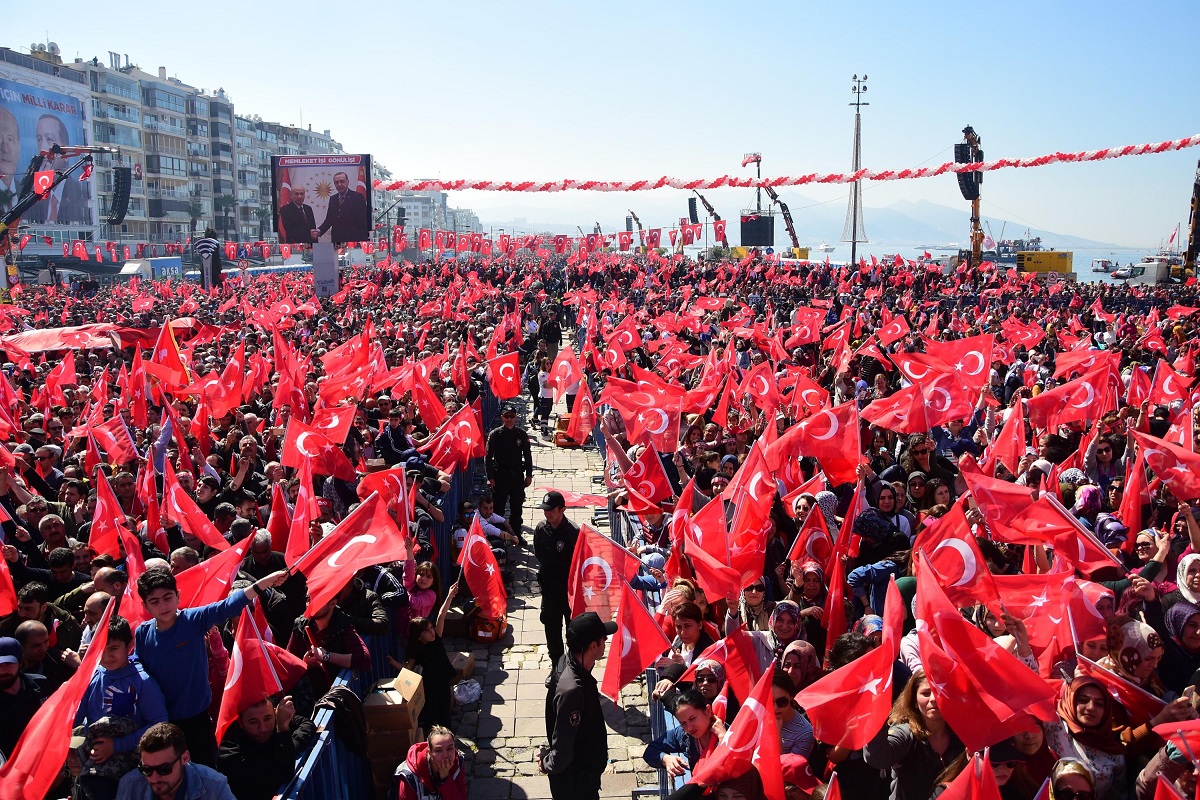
<point x="33" y="120"/>
<point x="322" y="198"/>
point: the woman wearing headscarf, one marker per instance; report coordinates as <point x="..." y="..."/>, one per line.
<point x="1071" y="779"/>
<point x="807" y="592"/>
<point x="785" y="628"/>
<point x="802" y="664"/>
<point x="1181" y="656"/>
<point x="1187" y="582"/>
<point x="1084" y="731"/>
<point x="828" y="503"/>
<point x="1088" y="501"/>
<point x="1134" y="652"/>
<point x="754" y="609"/>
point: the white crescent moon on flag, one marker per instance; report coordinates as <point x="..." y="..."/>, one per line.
<point x="1091" y="395"/>
<point x="942" y="392"/>
<point x="663" y="421"/>
<point x="235" y="666"/>
<point x="362" y="538"/>
<point x="833" y="426"/>
<point x="758" y="711"/>
<point x="603" y="565"/>
<point x="978" y="357"/>
<point x="968" y="558"/>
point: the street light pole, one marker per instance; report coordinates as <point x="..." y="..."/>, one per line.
<point x="854" y="213"/>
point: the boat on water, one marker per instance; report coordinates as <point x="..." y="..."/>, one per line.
<point x="825" y="247"/>
<point x="1105" y="265"/>
<point x="1007" y="249"/>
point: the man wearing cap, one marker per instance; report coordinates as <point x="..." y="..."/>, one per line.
<point x="578" y="740"/>
<point x="20" y="695"/>
<point x="509" y="465"/>
<point x="554" y="545"/>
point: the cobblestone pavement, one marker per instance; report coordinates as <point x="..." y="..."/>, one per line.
<point x="501" y="734"/>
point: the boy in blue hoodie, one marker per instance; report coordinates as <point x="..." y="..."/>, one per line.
<point x="172" y="648"/>
<point x="120" y="704"/>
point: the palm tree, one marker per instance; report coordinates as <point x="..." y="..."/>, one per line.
<point x="224" y="203"/>
<point x="263" y="214"/>
<point x="195" y="212"/>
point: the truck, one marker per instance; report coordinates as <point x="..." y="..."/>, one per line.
<point x="1150" y="270"/>
<point x="1060" y="263"/>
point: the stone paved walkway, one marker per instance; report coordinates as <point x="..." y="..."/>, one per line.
<point x="501" y="737"/>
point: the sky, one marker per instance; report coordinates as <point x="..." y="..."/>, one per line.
<point x="623" y="90"/>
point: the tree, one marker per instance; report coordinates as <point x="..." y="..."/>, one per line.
<point x="263" y="214"/>
<point x="224" y="203"/>
<point x="195" y="212"/>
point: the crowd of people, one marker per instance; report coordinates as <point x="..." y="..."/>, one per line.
<point x="793" y="443"/>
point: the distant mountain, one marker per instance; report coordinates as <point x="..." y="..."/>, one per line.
<point x="905" y="223"/>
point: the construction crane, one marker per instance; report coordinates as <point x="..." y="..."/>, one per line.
<point x="713" y="213"/>
<point x="787" y="215"/>
<point x="641" y="233"/>
<point x="1193" y="240"/>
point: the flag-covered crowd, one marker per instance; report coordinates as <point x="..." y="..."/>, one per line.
<point x="906" y="534"/>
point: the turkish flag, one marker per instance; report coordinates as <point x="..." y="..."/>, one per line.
<point x="482" y="573"/>
<point x="8" y="593"/>
<point x="114" y="437"/>
<point x="893" y="331"/>
<point x="831" y="436"/>
<point x="504" y="375"/>
<point x="583" y="416"/>
<point x="107" y="520"/>
<point x="1132" y="500"/>
<point x="654" y="237"/>
<point x="751" y="741"/>
<point x="334" y="422"/>
<point x="955" y="558"/>
<point x="637" y="643"/>
<point x="1088" y="397"/>
<point x="302" y="443"/>
<point x="43" y="181"/>
<point x="564" y="371"/>
<point x="367" y="536"/>
<point x="458" y="441"/>
<point x="424" y="238"/>
<point x="306" y="510"/>
<point x="390" y="483"/>
<point x="166" y="363"/>
<point x="1008" y="448"/>
<point x="625" y="239"/>
<point x="179" y="506"/>
<point x="648" y="477"/>
<point x="429" y="406"/>
<point x="1002" y="505"/>
<point x="37" y="761"/>
<point x="902" y="411"/>
<point x="257" y="670"/>
<point x="960" y="699"/>
<point x="598" y="566"/>
<point x="279" y="523"/>
<point x="719" y="230"/>
<point x="210" y="580"/>
<point x="813" y="542"/>
<point x="976" y="782"/>
<point x="1080" y="361"/>
<point x="848" y="706"/>
<point x="1168" y="385"/>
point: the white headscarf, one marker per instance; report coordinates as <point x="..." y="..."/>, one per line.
<point x="1181" y="576"/>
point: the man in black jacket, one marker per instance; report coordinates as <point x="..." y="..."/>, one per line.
<point x="578" y="749"/>
<point x="258" y="754"/>
<point x="554" y="545"/>
<point x="296" y="220"/>
<point x="347" y="214"/>
<point x="509" y="466"/>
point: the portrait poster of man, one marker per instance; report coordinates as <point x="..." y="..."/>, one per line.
<point x="33" y="119"/>
<point x="322" y="198"/>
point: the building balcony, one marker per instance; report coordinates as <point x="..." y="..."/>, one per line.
<point x="166" y="150"/>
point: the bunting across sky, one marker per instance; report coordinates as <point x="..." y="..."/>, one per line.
<point x="647" y="184"/>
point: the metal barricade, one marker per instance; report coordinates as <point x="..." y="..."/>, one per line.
<point x="329" y="771"/>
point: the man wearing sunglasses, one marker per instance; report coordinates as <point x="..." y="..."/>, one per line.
<point x="166" y="770"/>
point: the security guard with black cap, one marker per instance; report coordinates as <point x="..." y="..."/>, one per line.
<point x="509" y="465"/>
<point x="554" y="545"/>
<point x="578" y="751"/>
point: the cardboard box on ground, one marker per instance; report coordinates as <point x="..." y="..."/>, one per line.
<point x="464" y="666"/>
<point x="392" y="708"/>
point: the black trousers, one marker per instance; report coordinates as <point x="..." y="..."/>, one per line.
<point x="575" y="784"/>
<point x="555" y="620"/>
<point x="201" y="740"/>
<point x="511" y="491"/>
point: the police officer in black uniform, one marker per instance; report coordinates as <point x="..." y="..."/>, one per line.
<point x="509" y="465"/>
<point x="578" y="749"/>
<point x="554" y="545"/>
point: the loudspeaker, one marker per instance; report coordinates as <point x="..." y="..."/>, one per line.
<point x="122" y="181"/>
<point x="629" y="224"/>
<point x="758" y="230"/>
<point x="692" y="210"/>
<point x="968" y="182"/>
